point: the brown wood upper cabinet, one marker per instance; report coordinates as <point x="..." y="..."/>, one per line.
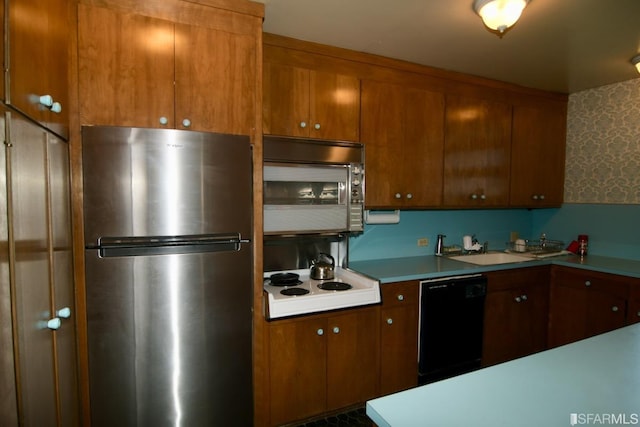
<point x="402" y="129"/>
<point x="38" y="52"/>
<point x="538" y="154"/>
<point x="310" y="103"/>
<point x="142" y="71"/>
<point x="477" y="152"/>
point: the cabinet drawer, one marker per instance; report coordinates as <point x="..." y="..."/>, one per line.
<point x="610" y="283"/>
<point x="510" y="279"/>
<point x="400" y="293"/>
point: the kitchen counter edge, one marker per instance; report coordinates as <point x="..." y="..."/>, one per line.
<point x="431" y="266"/>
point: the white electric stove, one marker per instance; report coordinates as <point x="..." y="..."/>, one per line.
<point x="305" y="295"/>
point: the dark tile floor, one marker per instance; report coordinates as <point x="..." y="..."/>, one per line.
<point x="355" y="417"/>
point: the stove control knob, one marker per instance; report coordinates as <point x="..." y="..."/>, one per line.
<point x="320" y="331"/>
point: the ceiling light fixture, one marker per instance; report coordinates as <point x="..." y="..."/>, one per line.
<point x="636" y="61"/>
<point x="499" y="15"/>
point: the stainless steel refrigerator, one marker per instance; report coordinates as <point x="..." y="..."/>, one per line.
<point x="168" y="221"/>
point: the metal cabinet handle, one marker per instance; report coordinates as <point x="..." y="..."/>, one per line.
<point x="163" y="120"/>
<point x="524" y="298"/>
<point x="317" y="126"/>
<point x="320" y="331"/>
<point x="186" y="123"/>
<point x="587" y="283"/>
<point x="398" y="196"/>
<point x="474" y="196"/>
<point x="303" y="124"/>
<point x="518" y="299"/>
<point x="614" y="308"/>
<point x="409" y="196"/>
<point x="400" y="297"/>
<point x="389" y="321"/>
<point x="483" y="197"/>
<point x="336" y="330"/>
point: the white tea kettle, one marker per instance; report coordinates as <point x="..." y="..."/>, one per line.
<point x="322" y="270"/>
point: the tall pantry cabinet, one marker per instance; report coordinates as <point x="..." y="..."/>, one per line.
<point x="38" y="381"/>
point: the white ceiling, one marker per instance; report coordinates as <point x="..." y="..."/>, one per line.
<point x="558" y="45"/>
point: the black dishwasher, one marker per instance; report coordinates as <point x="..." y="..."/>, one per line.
<point x="451" y="322"/>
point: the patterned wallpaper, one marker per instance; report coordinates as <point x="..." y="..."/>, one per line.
<point x="603" y="145"/>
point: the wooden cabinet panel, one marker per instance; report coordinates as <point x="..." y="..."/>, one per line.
<point x="477" y="152"/>
<point x="215" y="80"/>
<point x="126" y="68"/>
<point x="38" y="59"/>
<point x="403" y="136"/>
<point x="43" y="279"/>
<point x="538" y="153"/>
<point x="142" y="71"/>
<point x="307" y="103"/>
<point x="297" y="369"/>
<point x="516" y="314"/>
<point x="585" y="303"/>
<point x="322" y="363"/>
<point x="399" y="337"/>
<point x="352" y="358"/>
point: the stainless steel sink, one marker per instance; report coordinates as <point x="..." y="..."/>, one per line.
<point x="492" y="258"/>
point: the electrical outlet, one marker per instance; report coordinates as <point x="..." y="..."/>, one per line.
<point x="423" y="242"/>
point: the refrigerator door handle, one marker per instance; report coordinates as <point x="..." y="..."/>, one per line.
<point x="166" y="245"/>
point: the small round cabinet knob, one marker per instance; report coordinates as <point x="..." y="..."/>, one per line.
<point x="587" y="283"/>
<point x="518" y="299"/>
<point x="303" y="124"/>
<point x="56" y="107"/>
<point x="320" y="331"/>
<point x="64" y="312"/>
<point x="336" y="330"/>
<point x="400" y="297"/>
<point x="638" y="313"/>
<point x="614" y="308"/>
<point x="409" y="196"/>
<point x="186" y="123"/>
<point x="46" y="100"/>
<point x="483" y="197"/>
<point x="163" y="120"/>
<point x="534" y="197"/>
<point x="317" y="126"/>
<point x="474" y="196"/>
<point x="542" y="197"/>
<point x="524" y="298"/>
<point x="398" y="196"/>
<point x="54" y="323"/>
<point x="389" y="321"/>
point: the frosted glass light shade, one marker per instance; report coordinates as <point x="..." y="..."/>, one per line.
<point x="499" y="14"/>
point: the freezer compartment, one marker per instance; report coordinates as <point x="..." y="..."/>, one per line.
<point x="161" y="182"/>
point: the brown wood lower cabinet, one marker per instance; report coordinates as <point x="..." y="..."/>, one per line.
<point x="399" y="336"/>
<point x="322" y="362"/>
<point x="516" y="314"/>
<point x="585" y="303"/>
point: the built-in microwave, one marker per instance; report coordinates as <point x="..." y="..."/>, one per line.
<point x="312" y="186"/>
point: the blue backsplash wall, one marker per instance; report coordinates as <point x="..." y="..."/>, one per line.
<point x="613" y="230"/>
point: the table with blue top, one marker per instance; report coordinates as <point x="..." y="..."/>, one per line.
<point x="595" y="381"/>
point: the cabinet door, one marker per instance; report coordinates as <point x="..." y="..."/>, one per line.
<point x="63" y="286"/>
<point x="399" y="337"/>
<point x="215" y="80"/>
<point x="334" y="106"/>
<point x="39" y="56"/>
<point x="516" y="314"/>
<point x="352" y="358"/>
<point x="297" y="369"/>
<point x="286" y="100"/>
<point x="35" y="362"/>
<point x="403" y="135"/>
<point x="126" y="68"/>
<point x="537" y="157"/>
<point x="477" y="152"/>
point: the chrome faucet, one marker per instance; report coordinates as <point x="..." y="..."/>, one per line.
<point x="440" y="244"/>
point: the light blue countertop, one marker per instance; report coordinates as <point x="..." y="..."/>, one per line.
<point x="598" y="377"/>
<point x="431" y="266"/>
